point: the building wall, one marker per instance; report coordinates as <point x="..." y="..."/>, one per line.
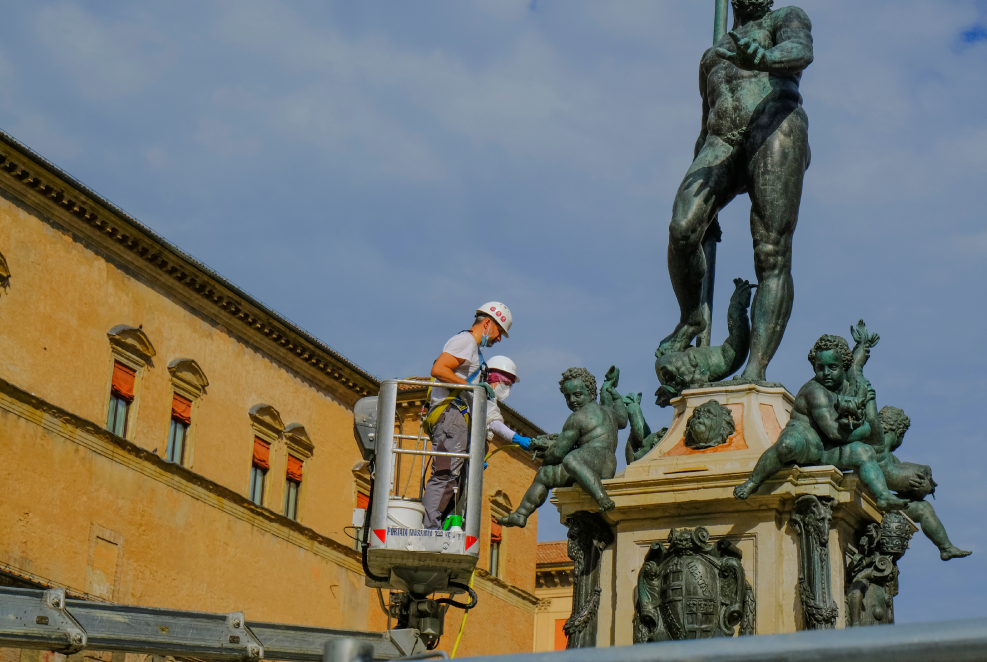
<point x="107" y="517"/>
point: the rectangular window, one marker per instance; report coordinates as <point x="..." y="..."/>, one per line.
<point x="362" y="501"/>
<point x="292" y="486"/>
<point x="181" y="418"/>
<point x="258" y="470"/>
<point x="496" y="537"/>
<point x="121" y="396"/>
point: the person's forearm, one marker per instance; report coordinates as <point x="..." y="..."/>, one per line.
<point x="444" y="374"/>
<point x="501" y="430"/>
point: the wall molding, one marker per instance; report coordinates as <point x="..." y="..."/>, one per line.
<point x="60" y="198"/>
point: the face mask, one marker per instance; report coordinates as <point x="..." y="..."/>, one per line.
<point x="501" y="390"/>
<point x="484" y="341"/>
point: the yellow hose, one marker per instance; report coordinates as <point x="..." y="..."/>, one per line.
<point x="462" y="626"/>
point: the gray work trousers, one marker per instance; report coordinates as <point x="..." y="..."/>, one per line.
<point x="450" y="435"/>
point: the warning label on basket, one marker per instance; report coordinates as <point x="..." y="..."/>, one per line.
<point x="426" y="540"/>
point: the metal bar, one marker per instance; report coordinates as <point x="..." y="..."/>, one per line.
<point x="477" y="449"/>
<point x="412" y="437"/>
<point x="410" y="451"/>
<point x="111" y="627"/>
<point x="946" y="641"/>
<point x="45" y="620"/>
<point x="301" y="643"/>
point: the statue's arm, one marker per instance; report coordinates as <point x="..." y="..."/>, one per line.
<point x="570" y="434"/>
<point x="824" y="415"/>
<point x="792" y="51"/>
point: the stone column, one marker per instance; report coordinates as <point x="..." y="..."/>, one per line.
<point x="588" y="535"/>
<point x="810" y="520"/>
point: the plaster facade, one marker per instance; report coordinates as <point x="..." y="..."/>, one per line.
<point x="105" y="516"/>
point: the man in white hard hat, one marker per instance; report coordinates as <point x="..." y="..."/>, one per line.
<point x="459" y="363"/>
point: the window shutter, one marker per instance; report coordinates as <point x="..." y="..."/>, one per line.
<point x="294" y="468"/>
<point x="181" y="409"/>
<point x="262" y="453"/>
<point x="496" y="531"/>
<point x="362" y="500"/>
<point x="123" y="381"/>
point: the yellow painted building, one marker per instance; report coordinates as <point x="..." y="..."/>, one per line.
<point x="167" y="440"/>
<point x="553" y="587"/>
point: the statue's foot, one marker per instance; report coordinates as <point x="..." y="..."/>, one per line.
<point x="606" y="504"/>
<point x="891" y="503"/>
<point x="514" y="519"/>
<point x="754" y="373"/>
<point x="953" y="552"/>
<point x="679" y="339"/>
<point x="744" y="490"/>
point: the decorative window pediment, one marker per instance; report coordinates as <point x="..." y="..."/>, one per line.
<point x="132" y="341"/>
<point x="298" y="441"/>
<point x="361" y="474"/>
<point x="267" y="419"/>
<point x="500" y="504"/>
<point x="187" y="374"/>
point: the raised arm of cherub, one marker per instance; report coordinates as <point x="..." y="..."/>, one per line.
<point x="791" y="53"/>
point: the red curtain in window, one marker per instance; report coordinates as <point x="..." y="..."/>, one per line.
<point x="496" y="531"/>
<point x="362" y="500"/>
<point x="294" y="469"/>
<point x="181" y="409"/>
<point x="123" y="381"/>
<point x="262" y="453"/>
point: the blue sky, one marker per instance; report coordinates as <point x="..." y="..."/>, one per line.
<point x="375" y="170"/>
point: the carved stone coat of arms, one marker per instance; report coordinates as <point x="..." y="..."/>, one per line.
<point x="692" y="589"/>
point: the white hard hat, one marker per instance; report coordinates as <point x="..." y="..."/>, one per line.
<point x="503" y="364"/>
<point x="500" y="313"/>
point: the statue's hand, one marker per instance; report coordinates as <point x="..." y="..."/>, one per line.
<point x="749" y="53"/>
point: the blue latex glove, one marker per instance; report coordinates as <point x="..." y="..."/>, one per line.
<point x="523" y="442"/>
<point x="484" y="466"/>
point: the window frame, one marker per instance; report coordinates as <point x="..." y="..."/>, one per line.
<point x="256" y="471"/>
<point x="176" y="424"/>
<point x="290" y="507"/>
<point x="265" y="425"/>
<point x="189" y="382"/>
<point x="131" y="347"/>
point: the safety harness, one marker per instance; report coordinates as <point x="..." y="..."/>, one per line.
<point x="453" y="399"/>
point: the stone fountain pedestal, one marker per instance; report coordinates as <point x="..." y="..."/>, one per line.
<point x="796" y="527"/>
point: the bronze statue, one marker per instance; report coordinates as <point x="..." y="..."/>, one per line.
<point x="872" y="574"/>
<point x="754" y="139"/>
<point x="912" y="482"/>
<point x="696" y="366"/>
<point x="710" y="425"/>
<point x="834" y="421"/>
<point x="641" y="439"/>
<point x="585" y="452"/>
<point x="692" y="590"/>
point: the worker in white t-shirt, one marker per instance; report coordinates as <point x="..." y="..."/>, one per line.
<point x="459" y="363"/>
<point x="501" y="375"/>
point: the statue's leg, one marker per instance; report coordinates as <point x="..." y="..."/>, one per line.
<point x="588" y="465"/>
<point x="708" y="186"/>
<point x="924" y="514"/>
<point x="862" y="458"/>
<point x="549" y="476"/>
<point x="775" y="170"/>
<point x="797" y="443"/>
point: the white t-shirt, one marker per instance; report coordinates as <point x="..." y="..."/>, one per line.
<point x="462" y="346"/>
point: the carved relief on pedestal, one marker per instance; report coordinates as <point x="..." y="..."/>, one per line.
<point x="710" y="425"/>
<point x="692" y="590"/>
<point x="872" y="574"/>
<point x="810" y="520"/>
<point x="588" y="536"/>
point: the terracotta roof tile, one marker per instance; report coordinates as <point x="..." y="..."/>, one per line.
<point x="553" y="552"/>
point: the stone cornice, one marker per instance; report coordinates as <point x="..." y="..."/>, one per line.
<point x="509" y="593"/>
<point x="32" y="180"/>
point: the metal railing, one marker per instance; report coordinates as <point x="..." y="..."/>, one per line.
<point x="46" y="620"/>
<point x="947" y="641"/>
